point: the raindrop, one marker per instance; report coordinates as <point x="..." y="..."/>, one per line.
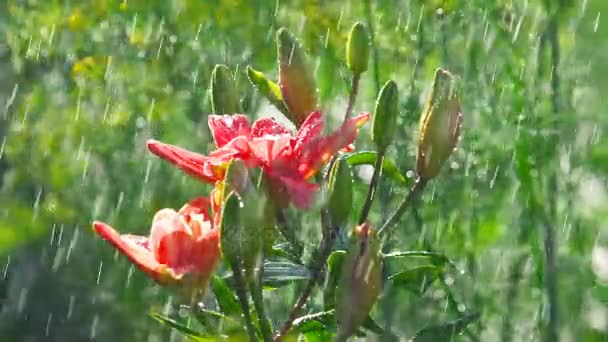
<point x="461" y="307"/>
<point x="596" y="22"/>
<point x="410" y="174"/>
<point x="48" y="324"/>
<point x="2" y="146"/>
<point x="71" y="307"/>
<point x="94" y="324"/>
<point x="5" y="272"/>
<point x="22" y="299"/>
<point x="99" y="272"/>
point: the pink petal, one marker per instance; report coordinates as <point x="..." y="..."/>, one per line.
<point x="189" y="162"/>
<point x="318" y="151"/>
<point x="266" y="150"/>
<point x="198" y="205"/>
<point x="165" y="222"/>
<point x="300" y="192"/>
<point x="184" y="254"/>
<point x="132" y="247"/>
<point x="268" y="126"/>
<point x="311" y="129"/>
<point x="227" y="127"/>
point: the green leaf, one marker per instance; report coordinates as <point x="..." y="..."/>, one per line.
<point x="277" y="274"/>
<point x="184" y="330"/>
<point x="369" y="158"/>
<point x="446" y="331"/>
<point x="226" y="300"/>
<point x="437" y="259"/>
<point x="268" y="89"/>
<point x="416" y="279"/>
<point x="334" y="266"/>
<point x="320" y="320"/>
<point x="285" y="250"/>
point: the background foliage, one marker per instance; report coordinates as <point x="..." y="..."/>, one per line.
<point x="84" y="84"/>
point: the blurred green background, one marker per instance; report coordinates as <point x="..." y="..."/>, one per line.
<point x="83" y="85"/>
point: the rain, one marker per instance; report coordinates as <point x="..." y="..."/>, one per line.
<point x="493" y="231"/>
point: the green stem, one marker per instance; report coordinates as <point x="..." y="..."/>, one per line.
<point x="352" y="96"/>
<point x="367" y="205"/>
<point x="405" y="204"/>
<point x="329" y="235"/>
<point x="288" y="233"/>
<point x="241" y="293"/>
<point x="258" y="302"/>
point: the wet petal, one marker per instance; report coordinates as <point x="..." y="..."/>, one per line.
<point x="268" y="149"/>
<point x="300" y="192"/>
<point x="198" y="205"/>
<point x="318" y="151"/>
<point x="311" y="129"/>
<point x="184" y="254"/>
<point x="165" y="222"/>
<point x="268" y="126"/>
<point x="132" y="246"/>
<point x="189" y="162"/>
<point x="224" y="128"/>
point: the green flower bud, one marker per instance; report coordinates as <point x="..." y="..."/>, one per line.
<point x="295" y="78"/>
<point x="439" y="125"/>
<point x="340" y="192"/>
<point x="270" y="90"/>
<point x="360" y="281"/>
<point x="236" y="178"/>
<point x="385" y="116"/>
<point x="241" y="230"/>
<point x="357" y="49"/>
<point x="231" y="229"/>
<point x="225" y="98"/>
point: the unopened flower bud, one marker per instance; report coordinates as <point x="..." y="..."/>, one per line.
<point x="241" y="231"/>
<point x="340" y="192"/>
<point x="270" y="90"/>
<point x="357" y="49"/>
<point x="360" y="282"/>
<point x="439" y="125"/>
<point x="385" y="116"/>
<point x="295" y="78"/>
<point x="225" y="98"/>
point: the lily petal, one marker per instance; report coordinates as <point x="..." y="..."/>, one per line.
<point x="311" y="129"/>
<point x="191" y="163"/>
<point x="132" y="247"/>
<point x="318" y="151"/>
<point x="268" y="126"/>
<point x="224" y="128"/>
<point x="299" y="191"/>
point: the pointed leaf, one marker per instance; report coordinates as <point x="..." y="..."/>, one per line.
<point x="184" y="330"/>
<point x="369" y="158"/>
<point x="226" y="299"/>
<point x="446" y="331"/>
<point x="416" y="279"/>
<point x="270" y="90"/>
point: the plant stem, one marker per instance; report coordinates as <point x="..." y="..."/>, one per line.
<point x="405" y="204"/>
<point x="370" y="24"/>
<point x="367" y="205"/>
<point x="352" y="96"/>
<point x="330" y="233"/>
<point x="241" y="294"/>
<point x="288" y="233"/>
<point x="258" y="302"/>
